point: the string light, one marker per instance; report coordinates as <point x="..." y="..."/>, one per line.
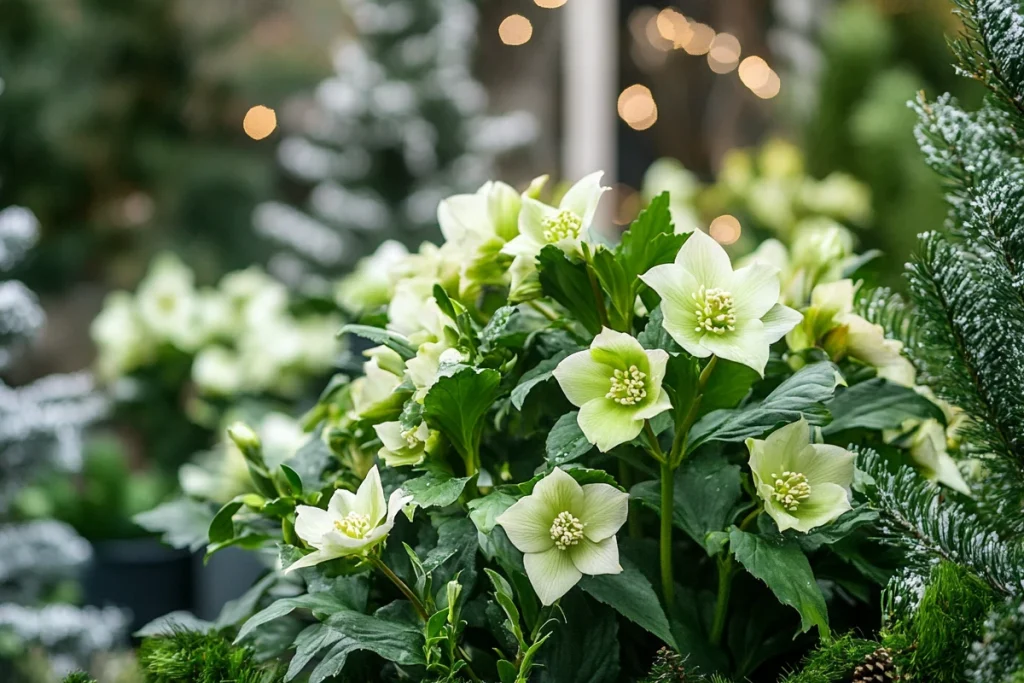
<point x="259" y="122"/>
<point x="515" y="29"/>
<point x="549" y="4"/>
<point x="724" y="53"/>
<point x="754" y="73"/>
<point x="637" y="107"/>
<point x="771" y="87"/>
<point x="698" y="42"/>
<point x="725" y="229"/>
<point x="673" y="26"/>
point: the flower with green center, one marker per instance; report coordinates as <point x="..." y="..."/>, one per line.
<point x="710" y="309"/>
<point x="353" y="523"/>
<point x="928" y="450"/>
<point x="565" y="531"/>
<point x="617" y="385"/>
<point x="402" y="447"/>
<point x="803" y="485"/>
<point x="566" y="226"/>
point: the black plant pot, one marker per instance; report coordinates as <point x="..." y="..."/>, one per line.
<point x="140" y="575"/>
<point x="228" y="574"/>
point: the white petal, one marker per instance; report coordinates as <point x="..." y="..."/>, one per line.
<point x="309" y="560"/>
<point x="582" y="378"/>
<point x="531" y="218"/>
<point x="604" y="511"/>
<point x="370" y="498"/>
<point x="657" y="407"/>
<point x="390" y="434"/>
<point x="778" y="321"/>
<point x="755" y="289"/>
<point x="746" y="344"/>
<point x="583" y="197"/>
<point x="552" y="573"/>
<point x="312" y="524"/>
<point x="596" y="558"/>
<point x="618" y="350"/>
<point x="706" y="260"/>
<point x="528" y="525"/>
<point x="462" y="215"/>
<point x="826" y="502"/>
<point x="523" y="246"/>
<point x="783" y="519"/>
<point x="396" y="503"/>
<point x="657" y="360"/>
<point x="342" y="503"/>
<point x="559" y="492"/>
<point x="789" y="440"/>
<point x="823" y="463"/>
<point x="676" y="288"/>
<point x="606" y="425"/>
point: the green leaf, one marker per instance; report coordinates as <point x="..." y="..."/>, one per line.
<point x="181" y="523"/>
<point x="566" y="441"/>
<point x="707" y="490"/>
<point x="222" y="528"/>
<point x="540" y="373"/>
<point x="457" y="403"/>
<point x="585" y="649"/>
<point x="619" y="286"/>
<point x="172" y="623"/>
<point x="802" y="395"/>
<point x="630" y="594"/>
<point x="784" y="568"/>
<point x="729" y="384"/>
<point x="567" y="283"/>
<point x="294" y="480"/>
<point x="650" y="240"/>
<point x="878" y="404"/>
<point x="846" y="524"/>
<point x="310" y="462"/>
<point x="352" y="631"/>
<point x="483" y="511"/>
<point x="654" y="335"/>
<point x="318" y="603"/>
<point x="436" y="488"/>
<point x="395" y="342"/>
<point x="243" y="606"/>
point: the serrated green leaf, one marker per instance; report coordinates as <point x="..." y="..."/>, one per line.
<point x="436" y="488"/>
<point x="318" y="603"/>
<point x="457" y="403"/>
<point x="483" y="511"/>
<point x="567" y="283"/>
<point x="540" y="373"/>
<point x="650" y="240"/>
<point x="222" y="527"/>
<point x="395" y="342"/>
<point x="566" y="441"/>
<point x="181" y="523"/>
<point x="728" y="385"/>
<point x="878" y="404"/>
<point x="630" y="594"/>
<point x="707" y="489"/>
<point x="784" y="568"/>
<point x="802" y="395"/>
<point x="394" y="641"/>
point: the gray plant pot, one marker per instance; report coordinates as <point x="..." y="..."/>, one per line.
<point x="226" y="576"/>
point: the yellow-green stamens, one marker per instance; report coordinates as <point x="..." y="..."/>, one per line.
<point x="566" y="530"/>
<point x="627" y="386"/>
<point x="715" y="310"/>
<point x="353" y="525"/>
<point x="790" y="489"/>
<point x="563" y="225"/>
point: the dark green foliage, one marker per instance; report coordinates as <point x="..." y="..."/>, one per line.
<point x="78" y="677"/>
<point x="933" y="644"/>
<point x="915" y="516"/>
<point x="999" y="655"/>
<point x="201" y="658"/>
<point x="670" y="667"/>
<point x="833" y="661"/>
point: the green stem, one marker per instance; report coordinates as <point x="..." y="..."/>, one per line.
<point x="750" y="518"/>
<point x="417" y="605"/>
<point x="682" y="436"/>
<point x="722" y="604"/>
<point x="667" y="492"/>
<point x="626" y="481"/>
<point x="543" y="310"/>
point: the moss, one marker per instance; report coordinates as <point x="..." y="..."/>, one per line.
<point x="933" y="644"/>
<point x="200" y="658"/>
<point x="833" y="661"/>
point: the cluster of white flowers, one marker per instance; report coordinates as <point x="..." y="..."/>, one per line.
<point x="242" y="335"/>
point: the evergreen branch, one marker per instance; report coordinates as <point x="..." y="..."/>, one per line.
<point x="916" y="517"/>
<point x="889" y="310"/>
<point x="990" y="49"/>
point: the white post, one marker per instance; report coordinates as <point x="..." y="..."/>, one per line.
<point x="590" y="66"/>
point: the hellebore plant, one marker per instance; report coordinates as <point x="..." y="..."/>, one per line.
<point x="565" y="531"/>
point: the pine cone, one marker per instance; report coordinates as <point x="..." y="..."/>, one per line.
<point x="877" y="667"/>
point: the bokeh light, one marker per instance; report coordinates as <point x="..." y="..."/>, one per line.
<point x="515" y="29"/>
<point x="699" y="39"/>
<point x="725" y="229"/>
<point x="637" y="107"/>
<point x="259" y="122"/>
<point x="724" y="53"/>
<point x="549" y="4"/>
<point x="771" y="87"/>
<point x="754" y="73"/>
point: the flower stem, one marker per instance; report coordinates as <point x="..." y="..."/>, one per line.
<point x="602" y="312"/>
<point x="667" y="502"/>
<point x="417" y="605"/>
<point x="722" y="604"/>
<point x="626" y="481"/>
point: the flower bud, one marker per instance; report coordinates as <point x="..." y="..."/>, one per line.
<point x="247" y="440"/>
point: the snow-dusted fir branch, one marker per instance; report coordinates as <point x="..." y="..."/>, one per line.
<point x="65" y="629"/>
<point x="916" y="516"/>
<point x="990" y="48"/>
<point x="37" y="553"/>
<point x="399" y="126"/>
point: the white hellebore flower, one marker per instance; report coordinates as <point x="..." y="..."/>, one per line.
<point x="711" y="309"/>
<point x="928" y="451"/>
<point x="402" y="447"/>
<point x="565" y="531"/>
<point x="565" y="226"/>
<point x="352" y="524"/>
<point x="803" y="485"/>
<point x="617" y="385"/>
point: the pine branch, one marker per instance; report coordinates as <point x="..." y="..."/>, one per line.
<point x="990" y="49"/>
<point x="916" y="517"/>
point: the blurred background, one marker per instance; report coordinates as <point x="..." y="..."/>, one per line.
<point x="184" y="183"/>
